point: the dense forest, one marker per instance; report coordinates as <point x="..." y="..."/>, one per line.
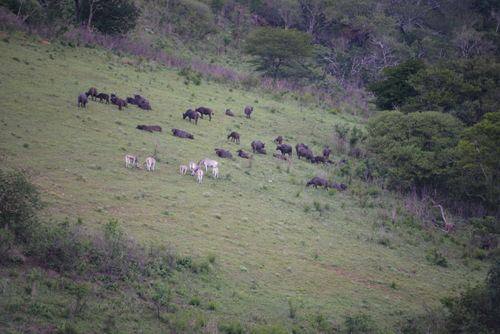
<point x="423" y="75"/>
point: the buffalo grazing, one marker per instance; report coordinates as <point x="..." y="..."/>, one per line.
<point x="235" y="136"/>
<point x="82" y="100"/>
<point x="205" y="111"/>
<point x="192" y="115"/>
<point x="285" y="149"/>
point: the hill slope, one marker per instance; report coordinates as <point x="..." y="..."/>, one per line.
<point x="275" y="240"/>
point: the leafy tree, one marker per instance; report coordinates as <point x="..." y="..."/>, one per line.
<point x="113" y="17"/>
<point x="19" y="204"/>
<point x="417" y="149"/>
<point x="275" y="48"/>
<point x="395" y="89"/>
<point x="466" y="88"/>
<point x="479" y="152"/>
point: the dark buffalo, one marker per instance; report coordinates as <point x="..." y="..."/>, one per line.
<point x="149" y="128"/>
<point x="243" y="154"/>
<point x="279" y="140"/>
<point x="192" y="115"/>
<point x="235" y="136"/>
<point x="92" y="93"/>
<point x="248" y="111"/>
<point x="103" y="96"/>
<point x="82" y="100"/>
<point x="318" y="181"/>
<point x="205" y="111"/>
<point x="131" y="100"/>
<point x="304" y="152"/>
<point x="229" y="113"/>
<point x="119" y="102"/>
<point x="326" y="153"/>
<point x="285" y="149"/>
<point x="223" y="153"/>
<point x="182" y="134"/>
<point x="257" y="145"/>
<point x="318" y="159"/>
<point x="262" y="151"/>
<point x="299" y="145"/>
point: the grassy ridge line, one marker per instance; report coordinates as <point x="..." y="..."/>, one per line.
<point x="269" y="249"/>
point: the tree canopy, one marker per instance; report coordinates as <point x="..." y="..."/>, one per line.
<point x="275" y="48"/>
<point x="479" y="152"/>
<point x="113" y="17"/>
<point x="394" y="90"/>
<point x="418" y="149"/>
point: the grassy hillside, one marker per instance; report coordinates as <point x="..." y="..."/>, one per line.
<point x="274" y="239"/>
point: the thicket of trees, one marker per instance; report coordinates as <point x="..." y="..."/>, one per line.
<point x="464" y="92"/>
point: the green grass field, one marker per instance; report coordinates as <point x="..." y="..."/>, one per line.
<point x="274" y="239"/>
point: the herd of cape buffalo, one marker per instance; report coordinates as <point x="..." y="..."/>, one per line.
<point x="258" y="147"/>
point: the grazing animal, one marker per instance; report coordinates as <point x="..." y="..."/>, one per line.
<point x="223" y="153"/>
<point x="192" y="167"/>
<point x="150" y="164"/>
<point x="280" y="156"/>
<point x="318" y="159"/>
<point x="262" y="151"/>
<point x="182" y="134"/>
<point x="235" y="136"/>
<point x="205" y="111"/>
<point x="149" y="128"/>
<point x="215" y="172"/>
<point x="229" y="113"/>
<point x="82" y="100"/>
<point x="279" y="140"/>
<point x="145" y="106"/>
<point x="192" y="115"/>
<point x="156" y="128"/>
<point x="131" y="100"/>
<point x="130" y="159"/>
<point x="103" y="96"/>
<point x="208" y="163"/>
<point x="304" y="152"/>
<point x="243" y="154"/>
<point x="119" y="102"/>
<point x="199" y="174"/>
<point x="183" y="169"/>
<point x="248" y="111"/>
<point x="318" y="181"/>
<point x="299" y="145"/>
<point x="285" y="149"/>
<point x="326" y="152"/>
<point x="256" y="146"/>
<point x="92" y="93"/>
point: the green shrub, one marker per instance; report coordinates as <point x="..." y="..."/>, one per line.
<point x="19" y="205"/>
<point x="195" y="301"/>
<point x="360" y="323"/>
<point x="436" y="257"/>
